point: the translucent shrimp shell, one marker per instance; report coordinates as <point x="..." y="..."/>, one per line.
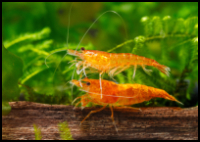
<point x="120" y="94"/>
<point x="111" y="62"/>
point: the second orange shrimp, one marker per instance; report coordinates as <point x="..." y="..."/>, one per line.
<point x="117" y="95"/>
<point x="112" y="63"/>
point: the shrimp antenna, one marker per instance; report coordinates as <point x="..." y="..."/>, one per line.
<point x="51" y="54"/>
<point x="69" y="24"/>
<point x="67" y="43"/>
<point x="91" y="27"/>
<point x="72" y="84"/>
<point x="98" y="19"/>
<point x="108" y="94"/>
<point x="67" y="40"/>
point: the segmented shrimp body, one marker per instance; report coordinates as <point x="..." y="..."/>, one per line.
<point x="117" y="95"/>
<point x="120" y="94"/>
<point x="137" y="93"/>
<point x="114" y="63"/>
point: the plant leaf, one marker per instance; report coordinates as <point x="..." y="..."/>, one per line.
<point x="6" y="108"/>
<point x="11" y="71"/>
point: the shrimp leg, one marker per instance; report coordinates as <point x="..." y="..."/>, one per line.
<point x="75" y="100"/>
<point x="78" y="71"/>
<point x="135" y="67"/>
<point x="100" y="83"/>
<point x="84" y="101"/>
<point x="94" y="111"/>
<point x="84" y="67"/>
<point x="112" y="117"/>
<point x="81" y="70"/>
<point x="146" y="70"/>
<point x="133" y="108"/>
<point x="77" y="105"/>
<point x="122" y="69"/>
<point x="112" y="71"/>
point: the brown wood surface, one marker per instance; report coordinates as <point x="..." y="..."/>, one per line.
<point x="151" y="123"/>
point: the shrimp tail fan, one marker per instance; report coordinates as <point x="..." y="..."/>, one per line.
<point x="164" y="69"/>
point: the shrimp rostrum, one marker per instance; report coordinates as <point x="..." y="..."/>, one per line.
<point x="116" y="95"/>
<point x="112" y="63"/>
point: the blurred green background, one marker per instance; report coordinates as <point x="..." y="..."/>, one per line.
<point x="164" y="31"/>
<point x="20" y="18"/>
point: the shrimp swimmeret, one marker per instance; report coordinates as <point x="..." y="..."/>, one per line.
<point x="112" y="63"/>
<point x="117" y="95"/>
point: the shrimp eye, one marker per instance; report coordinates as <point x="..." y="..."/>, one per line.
<point x="88" y="83"/>
<point x="82" y="48"/>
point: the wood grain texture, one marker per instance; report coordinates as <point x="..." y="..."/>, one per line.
<point x="151" y="123"/>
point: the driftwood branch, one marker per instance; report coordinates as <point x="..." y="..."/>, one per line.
<point x="151" y="123"/>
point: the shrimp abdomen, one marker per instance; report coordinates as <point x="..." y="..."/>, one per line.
<point x="136" y="93"/>
<point x="128" y="59"/>
<point x="159" y="93"/>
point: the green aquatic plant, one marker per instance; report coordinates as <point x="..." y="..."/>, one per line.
<point x="37" y="132"/>
<point x="11" y="72"/>
<point x="171" y="42"/>
<point x="64" y="130"/>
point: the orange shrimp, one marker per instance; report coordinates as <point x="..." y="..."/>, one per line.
<point x="112" y="63"/>
<point x="117" y="95"/>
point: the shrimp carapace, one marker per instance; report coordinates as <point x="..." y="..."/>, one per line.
<point x="91" y="86"/>
<point x="112" y="63"/>
<point x="121" y="94"/>
<point x="117" y="95"/>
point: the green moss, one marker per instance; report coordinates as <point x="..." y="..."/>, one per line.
<point x="37" y="132"/>
<point x="64" y="131"/>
